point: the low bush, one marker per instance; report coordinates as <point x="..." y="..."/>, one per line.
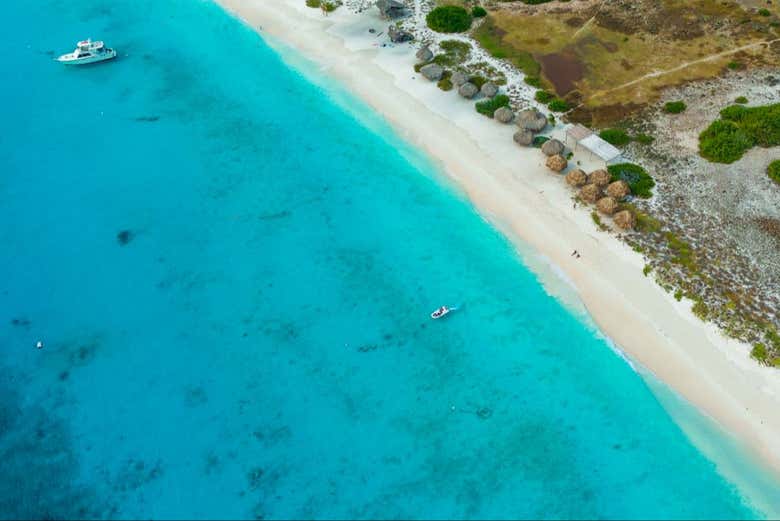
<point x="478" y="11"/>
<point x="615" y="136"/>
<point x="724" y="142"/>
<point x="675" y="107"/>
<point x="739" y="129"/>
<point x="533" y="81"/>
<point x="741" y="99"/>
<point x="477" y="80"/>
<point x="539" y="141"/>
<point x="449" y="19"/>
<point x="638" y="179"/>
<point x="558" y="105"/>
<point x="329" y="7"/>
<point x="643" y="139"/>
<point x="735" y="66"/>
<point x="542" y="96"/>
<point x="445" y="83"/>
<point x="764" y="12"/>
<point x="489" y="106"/>
<point x="313" y="3"/>
<point x="773" y="171"/>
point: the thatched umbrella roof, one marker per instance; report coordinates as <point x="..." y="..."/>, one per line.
<point x="489" y="89"/>
<point x="557" y="163"/>
<point x="432" y="71"/>
<point x="552" y="147"/>
<point x="619" y="189"/>
<point x="590" y="193"/>
<point x="607" y="205"/>
<point x="504" y="115"/>
<point x="468" y="90"/>
<point x="459" y="78"/>
<point x="398" y="35"/>
<point x="424" y="55"/>
<point x="625" y="220"/>
<point x="576" y="178"/>
<point x="524" y="137"/>
<point x="600" y="178"/>
<point x="390" y="8"/>
<point x="531" y="119"/>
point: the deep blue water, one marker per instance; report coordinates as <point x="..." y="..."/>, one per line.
<point x="260" y="345"/>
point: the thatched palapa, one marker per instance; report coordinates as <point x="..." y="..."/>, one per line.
<point x="459" y="78"/>
<point x="531" y="119"/>
<point x="432" y="71"/>
<point x="590" y="193"/>
<point x="524" y="137"/>
<point x="552" y="147"/>
<point x="424" y="55"/>
<point x="390" y="8"/>
<point x="625" y="220"/>
<point x="576" y="178"/>
<point x="468" y="90"/>
<point x="600" y="178"/>
<point x="607" y="205"/>
<point x="618" y="189"/>
<point x="557" y="163"/>
<point x="489" y="89"/>
<point x="504" y="115"/>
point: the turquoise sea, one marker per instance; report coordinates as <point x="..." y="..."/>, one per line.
<point x="231" y="268"/>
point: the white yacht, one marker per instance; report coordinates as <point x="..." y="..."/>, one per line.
<point x="87" y="51"/>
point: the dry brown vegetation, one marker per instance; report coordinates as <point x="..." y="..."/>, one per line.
<point x="611" y="57"/>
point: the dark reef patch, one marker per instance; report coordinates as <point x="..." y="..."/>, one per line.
<point x="147" y="119"/>
<point x="124" y="237"/>
<point x="20" y="322"/>
<point x="39" y="468"/>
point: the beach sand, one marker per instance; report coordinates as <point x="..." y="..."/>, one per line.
<point x="511" y="187"/>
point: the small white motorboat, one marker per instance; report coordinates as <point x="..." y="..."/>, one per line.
<point x="442" y="311"/>
<point x="86" y="52"/>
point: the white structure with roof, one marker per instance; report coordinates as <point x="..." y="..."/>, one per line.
<point x="585" y="137"/>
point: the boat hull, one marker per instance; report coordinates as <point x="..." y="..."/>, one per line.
<point x="68" y="59"/>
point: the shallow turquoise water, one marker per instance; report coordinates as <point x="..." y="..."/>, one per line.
<point x="260" y="346"/>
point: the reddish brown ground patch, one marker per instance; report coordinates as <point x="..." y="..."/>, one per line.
<point x="563" y="70"/>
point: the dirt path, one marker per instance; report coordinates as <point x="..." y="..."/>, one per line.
<point x="683" y="66"/>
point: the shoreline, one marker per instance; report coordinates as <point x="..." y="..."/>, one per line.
<point x="514" y="191"/>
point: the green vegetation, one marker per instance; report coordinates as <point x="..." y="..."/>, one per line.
<point x="740" y="129"/>
<point x="490" y="38"/>
<point x="455" y="53"/>
<point x="643" y="139"/>
<point x="539" y="141"/>
<point x="449" y="19"/>
<point x="478" y="11"/>
<point x="734" y="66"/>
<point x="313" y="3"/>
<point x="489" y="106"/>
<point x="701" y="310"/>
<point x="329" y="7"/>
<point x="683" y="253"/>
<point x="542" y="96"/>
<point x="597" y="221"/>
<point x="445" y="83"/>
<point x="535" y="2"/>
<point x="742" y="100"/>
<point x="615" y="136"/>
<point x="533" y="81"/>
<point x="477" y="80"/>
<point x="764" y="12"/>
<point x="675" y="107"/>
<point x="558" y="105"/>
<point x="646" y="270"/>
<point x="759" y="353"/>
<point x="637" y="178"/>
<point x="678" y="295"/>
<point x="773" y="171"/>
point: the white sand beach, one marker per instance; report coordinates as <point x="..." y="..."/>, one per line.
<point x="513" y="189"/>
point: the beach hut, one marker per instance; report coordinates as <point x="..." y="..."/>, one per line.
<point x="583" y="137"/>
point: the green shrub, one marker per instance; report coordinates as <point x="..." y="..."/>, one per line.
<point x="724" y="142"/>
<point x="489" y="106"/>
<point x="539" y="141"/>
<point x="449" y="19"/>
<point x="477" y="80"/>
<point x="445" y="83"/>
<point x="478" y="11"/>
<point x="637" y="178"/>
<point x="643" y="139"/>
<point x="533" y="81"/>
<point x="329" y="7"/>
<point x="739" y="129"/>
<point x="615" y="136"/>
<point x="675" y="107"/>
<point x="734" y="65"/>
<point x="536" y="2"/>
<point x="773" y="171"/>
<point x="542" y="96"/>
<point x="764" y="12"/>
<point x="558" y="105"/>
<point x="741" y="99"/>
<point x="701" y="310"/>
<point x="646" y="270"/>
<point x="313" y="3"/>
<point x="759" y="353"/>
<point x="678" y="295"/>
